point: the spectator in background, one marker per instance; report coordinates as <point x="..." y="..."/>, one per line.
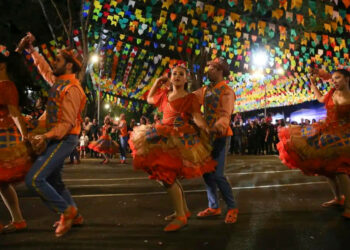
<point x="84" y="142"/>
<point x="237" y="138"/>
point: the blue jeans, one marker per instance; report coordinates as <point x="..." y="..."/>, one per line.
<point x="123" y="147"/>
<point x="44" y="178"/>
<point x="217" y="179"/>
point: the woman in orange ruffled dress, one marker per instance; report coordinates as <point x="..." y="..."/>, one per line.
<point x="15" y="159"/>
<point x="324" y="148"/>
<point x="105" y="145"/>
<point x="176" y="148"/>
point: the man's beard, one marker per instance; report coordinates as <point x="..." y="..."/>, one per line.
<point x="59" y="71"/>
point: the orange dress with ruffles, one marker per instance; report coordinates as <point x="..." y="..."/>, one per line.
<point x="322" y="148"/>
<point x="104" y="144"/>
<point x="15" y="158"/>
<point x="176" y="148"/>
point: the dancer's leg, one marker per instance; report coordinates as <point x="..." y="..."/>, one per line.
<point x="344" y="182"/>
<point x="10" y="198"/>
<point x="336" y="190"/>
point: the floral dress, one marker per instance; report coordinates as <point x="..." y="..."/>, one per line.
<point x="322" y="148"/>
<point x="15" y="158"/>
<point x="175" y="148"/>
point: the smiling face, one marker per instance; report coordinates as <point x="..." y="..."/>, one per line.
<point x="340" y="81"/>
<point x="178" y="77"/>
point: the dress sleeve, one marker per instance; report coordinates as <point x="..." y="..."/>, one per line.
<point x="159" y="98"/>
<point x="8" y="94"/>
<point x="195" y="104"/>
<point x="328" y="96"/>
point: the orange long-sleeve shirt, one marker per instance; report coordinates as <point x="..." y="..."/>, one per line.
<point x="71" y="102"/>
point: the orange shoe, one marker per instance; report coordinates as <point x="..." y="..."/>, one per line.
<point x="14" y="227"/>
<point x="66" y="221"/>
<point x="209" y="212"/>
<point x="231" y="216"/>
<point x="334" y="202"/>
<point x="173" y="216"/>
<point x="78" y="221"/>
<point x="176" y="224"/>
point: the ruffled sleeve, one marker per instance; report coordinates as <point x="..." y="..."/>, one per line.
<point x="159" y="98"/>
<point x="195" y="105"/>
<point x="328" y="97"/>
<point x="8" y="94"/>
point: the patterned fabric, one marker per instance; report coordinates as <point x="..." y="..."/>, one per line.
<point x="54" y="103"/>
<point x="175" y="148"/>
<point x="105" y="144"/>
<point x="15" y="158"/>
<point x="211" y="102"/>
<point x="322" y="148"/>
<point x="9" y="137"/>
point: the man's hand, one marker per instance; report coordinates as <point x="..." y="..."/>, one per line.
<point x="39" y="143"/>
<point x="26" y="43"/>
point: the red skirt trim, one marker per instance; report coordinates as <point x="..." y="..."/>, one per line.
<point x="325" y="167"/>
<point x="169" y="165"/>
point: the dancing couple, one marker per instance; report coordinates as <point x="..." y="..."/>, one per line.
<point x="186" y="145"/>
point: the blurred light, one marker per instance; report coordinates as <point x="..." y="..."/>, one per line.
<point x="260" y="58"/>
<point x="116" y="118"/>
<point x="257" y="75"/>
<point x="94" y="58"/>
<point x="107" y="106"/>
<point x="280" y="71"/>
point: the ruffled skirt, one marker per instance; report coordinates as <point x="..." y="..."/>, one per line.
<point x="15" y="156"/>
<point x="104" y="145"/>
<point x="320" y="149"/>
<point x="167" y="153"/>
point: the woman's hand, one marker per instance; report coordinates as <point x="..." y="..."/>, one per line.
<point x="161" y="81"/>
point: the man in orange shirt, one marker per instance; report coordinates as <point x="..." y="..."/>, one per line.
<point x="123" y="127"/>
<point x="62" y="120"/>
<point x="218" y="101"/>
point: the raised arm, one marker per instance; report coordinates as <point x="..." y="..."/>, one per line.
<point x="156" y="85"/>
<point x="39" y="61"/>
<point x="314" y="88"/>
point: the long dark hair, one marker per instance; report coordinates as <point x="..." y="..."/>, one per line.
<point x="17" y="71"/>
<point x="343" y="72"/>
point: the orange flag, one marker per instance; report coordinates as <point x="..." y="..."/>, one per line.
<point x="346" y="3"/>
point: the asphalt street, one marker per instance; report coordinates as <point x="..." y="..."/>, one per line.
<point x="123" y="209"/>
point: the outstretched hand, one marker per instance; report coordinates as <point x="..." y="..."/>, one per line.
<point x="162" y="80"/>
<point x="26" y="43"/>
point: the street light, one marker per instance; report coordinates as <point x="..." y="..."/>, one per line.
<point x="260" y="59"/>
<point x="94" y="58"/>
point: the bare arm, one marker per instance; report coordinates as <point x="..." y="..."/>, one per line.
<point x="156" y="85"/>
<point x="315" y="90"/>
<point x="17" y="118"/>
